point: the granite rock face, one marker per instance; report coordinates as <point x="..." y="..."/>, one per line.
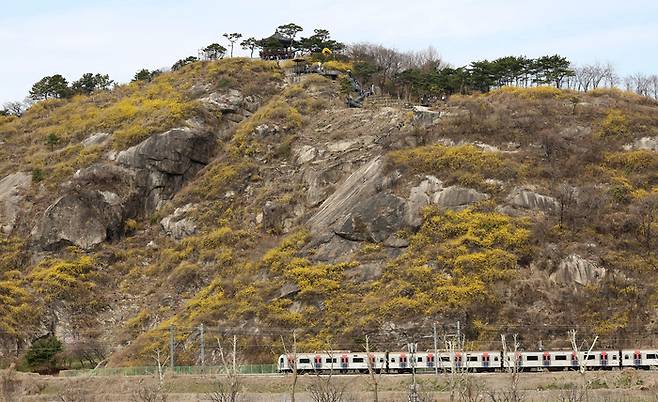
<point x="177" y="225"/>
<point x="577" y="271"/>
<point x="98" y="199"/>
<point x="523" y="198"/>
<point x="83" y="219"/>
<point x="11" y="197"/>
<point x="163" y="162"/>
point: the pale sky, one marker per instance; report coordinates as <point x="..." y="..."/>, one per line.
<point x="119" y="37"/>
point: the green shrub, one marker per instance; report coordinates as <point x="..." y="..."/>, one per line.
<point x="42" y="355"/>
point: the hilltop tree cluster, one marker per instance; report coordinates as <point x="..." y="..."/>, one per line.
<point x="410" y="75"/>
<point x="418" y="75"/>
<point x="56" y="86"/>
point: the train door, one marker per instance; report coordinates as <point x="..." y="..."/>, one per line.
<point x="344" y="362"/>
<point x="403" y="360"/>
<point x="604" y="359"/>
<point x="317" y="362"/>
<point x="574" y="359"/>
<point x="430" y="360"/>
<point x="546" y="360"/>
<point x="637" y="358"/>
<point x="458" y="359"/>
<point x="485" y="360"/>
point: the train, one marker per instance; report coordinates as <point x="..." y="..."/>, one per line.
<point x="347" y="362"/>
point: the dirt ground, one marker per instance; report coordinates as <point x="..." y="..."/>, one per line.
<point x="604" y="386"/>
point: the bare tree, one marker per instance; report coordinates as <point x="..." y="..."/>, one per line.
<point x="511" y="394"/>
<point x="293" y="363"/>
<point x="374" y="379"/>
<point x="153" y="392"/>
<point x="8" y="384"/>
<point x="324" y="389"/>
<point x="639" y="83"/>
<point x="15" y="108"/>
<point x="71" y="395"/>
<point x="610" y="79"/>
<point x="654" y="85"/>
<point x="227" y="389"/>
<point x="149" y="392"/>
<point x="566" y="197"/>
<point x="582" y="364"/>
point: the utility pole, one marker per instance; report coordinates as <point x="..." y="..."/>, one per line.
<point x="203" y="346"/>
<point x="436" y="358"/>
<point x="171" y="348"/>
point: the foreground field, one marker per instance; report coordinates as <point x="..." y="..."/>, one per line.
<point x="604" y="386"/>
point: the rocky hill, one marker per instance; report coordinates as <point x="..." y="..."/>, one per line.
<point x="234" y="194"/>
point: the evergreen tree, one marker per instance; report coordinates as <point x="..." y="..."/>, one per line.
<point x="42" y="353"/>
<point x="54" y="86"/>
<point x="249" y="44"/>
<point x="232" y="38"/>
<point x="214" y="51"/>
<point x="183" y="62"/>
<point x="91" y="82"/>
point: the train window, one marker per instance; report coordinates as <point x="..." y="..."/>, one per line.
<point x="381" y="360"/>
<point x="302" y="361"/>
<point x="495" y="358"/>
<point x="392" y="359"/>
<point x="651" y="355"/>
<point x="330" y="360"/>
<point x="626" y="357"/>
<point x="420" y="359"/>
<point x="532" y="358"/>
<point x="472" y="358"/>
<point x="591" y="357"/>
<point x="614" y="357"/>
<point x="357" y="360"/>
<point x="281" y="360"/>
<point x="560" y="357"/>
<point x="445" y="358"/>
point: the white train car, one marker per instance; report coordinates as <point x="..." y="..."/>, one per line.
<point x="563" y="360"/>
<point x="339" y="361"/>
<point x="640" y="359"/>
<point x="469" y="361"/>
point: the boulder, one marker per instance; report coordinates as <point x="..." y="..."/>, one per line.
<point x="523" y="198"/>
<point x="96" y="139"/>
<point x="342" y="146"/>
<point x="457" y="197"/>
<point x="304" y="154"/>
<point x="274" y="216"/>
<point x="177" y="225"/>
<point x="375" y="220"/>
<point x="163" y="162"/>
<point x="424" y="117"/>
<point x="575" y="270"/>
<point x="648" y="143"/>
<point x="11" y="189"/>
<point x="420" y="197"/>
<point x="83" y="219"/>
<point x="229" y="102"/>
